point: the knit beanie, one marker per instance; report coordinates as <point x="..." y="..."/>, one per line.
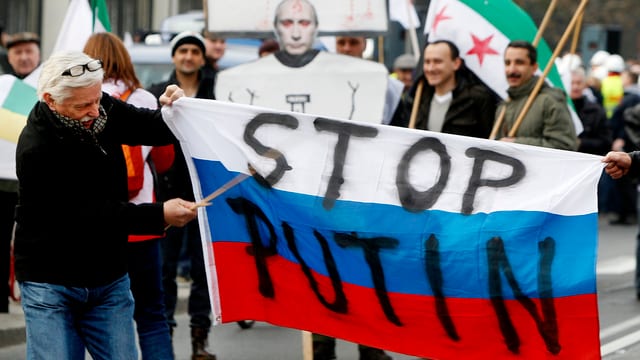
<point x="187" y="37"/>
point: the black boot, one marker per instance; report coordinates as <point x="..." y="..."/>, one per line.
<point x="199" y="343"/>
<point x="324" y="350"/>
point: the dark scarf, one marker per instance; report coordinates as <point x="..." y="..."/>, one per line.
<point x="77" y="128"/>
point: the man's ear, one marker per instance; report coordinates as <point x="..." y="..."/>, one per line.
<point x="48" y="100"/>
<point x="457" y="62"/>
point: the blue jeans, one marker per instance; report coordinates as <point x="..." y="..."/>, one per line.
<point x="62" y="321"/>
<point x="145" y="272"/>
<point x="199" y="304"/>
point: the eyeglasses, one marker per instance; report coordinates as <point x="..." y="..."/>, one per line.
<point x="78" y="70"/>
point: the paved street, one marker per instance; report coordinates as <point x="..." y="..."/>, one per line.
<point x="619" y="316"/>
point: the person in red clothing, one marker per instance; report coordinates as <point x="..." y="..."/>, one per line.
<point x="144" y="257"/>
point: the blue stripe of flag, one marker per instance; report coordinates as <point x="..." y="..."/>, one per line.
<point x="462" y="239"/>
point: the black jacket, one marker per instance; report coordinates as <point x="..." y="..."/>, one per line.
<point x="73" y="215"/>
<point x="471" y="112"/>
<point x="205" y="89"/>
<point x="596" y="137"/>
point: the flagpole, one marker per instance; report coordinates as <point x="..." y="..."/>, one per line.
<point x="219" y="191"/>
<point x="381" y="49"/>
<point x="576" y="34"/>
<point x="547" y="69"/>
<point x="307" y="345"/>
<point x="498" y="123"/>
<point x="545" y="22"/>
<point x="416" y="104"/>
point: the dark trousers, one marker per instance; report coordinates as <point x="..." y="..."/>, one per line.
<point x="199" y="304"/>
<point x="8" y="201"/>
<point x="145" y="274"/>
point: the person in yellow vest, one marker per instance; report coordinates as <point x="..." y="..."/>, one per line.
<point x="612" y="88"/>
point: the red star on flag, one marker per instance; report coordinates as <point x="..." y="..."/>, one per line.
<point x="440" y="17"/>
<point x="481" y="48"/>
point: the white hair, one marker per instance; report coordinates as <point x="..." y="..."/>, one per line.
<point x="579" y="71"/>
<point x="52" y="81"/>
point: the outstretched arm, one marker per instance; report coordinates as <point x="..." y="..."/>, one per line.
<point x="618" y="163"/>
<point x="171" y="94"/>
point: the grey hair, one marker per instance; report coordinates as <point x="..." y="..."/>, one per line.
<point x="579" y="71"/>
<point x="59" y="87"/>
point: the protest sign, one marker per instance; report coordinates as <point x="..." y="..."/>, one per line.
<point x="422" y="243"/>
<point x="254" y="18"/>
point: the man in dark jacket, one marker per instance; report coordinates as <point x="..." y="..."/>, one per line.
<point x="453" y="100"/>
<point x="595" y="137"/>
<point x="188" y="54"/>
<point x="73" y="214"/>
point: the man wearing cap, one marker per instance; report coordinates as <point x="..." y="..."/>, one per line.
<point x="23" y="53"/>
<point x="188" y="54"/>
<point x="453" y="99"/>
<point x="8" y="201"/>
<point x="403" y="68"/>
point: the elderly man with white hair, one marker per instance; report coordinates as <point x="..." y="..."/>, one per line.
<point x="73" y="214"/>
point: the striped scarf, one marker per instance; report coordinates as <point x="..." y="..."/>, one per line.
<point x="87" y="133"/>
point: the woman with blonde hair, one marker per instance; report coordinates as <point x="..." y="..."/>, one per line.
<point x="144" y="258"/>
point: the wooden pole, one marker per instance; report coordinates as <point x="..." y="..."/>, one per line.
<point x="381" y="49"/>
<point x="307" y="346"/>
<point x="221" y="190"/>
<point x="545" y="22"/>
<point x="416" y="105"/>
<point x="547" y="69"/>
<point x="576" y="35"/>
<point x="498" y="123"/>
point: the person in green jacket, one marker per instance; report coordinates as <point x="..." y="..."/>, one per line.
<point x="548" y="122"/>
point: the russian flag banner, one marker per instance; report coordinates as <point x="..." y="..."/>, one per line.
<point x="422" y="243"/>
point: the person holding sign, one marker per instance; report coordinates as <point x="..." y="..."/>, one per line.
<point x="72" y="229"/>
<point x="619" y="163"/>
<point x="548" y="122"/>
<point x="302" y="79"/>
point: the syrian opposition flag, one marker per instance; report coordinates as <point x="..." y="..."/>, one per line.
<point x="83" y="18"/>
<point x="17" y="97"/>
<point x="482" y="29"/>
<point x="422" y="243"/>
